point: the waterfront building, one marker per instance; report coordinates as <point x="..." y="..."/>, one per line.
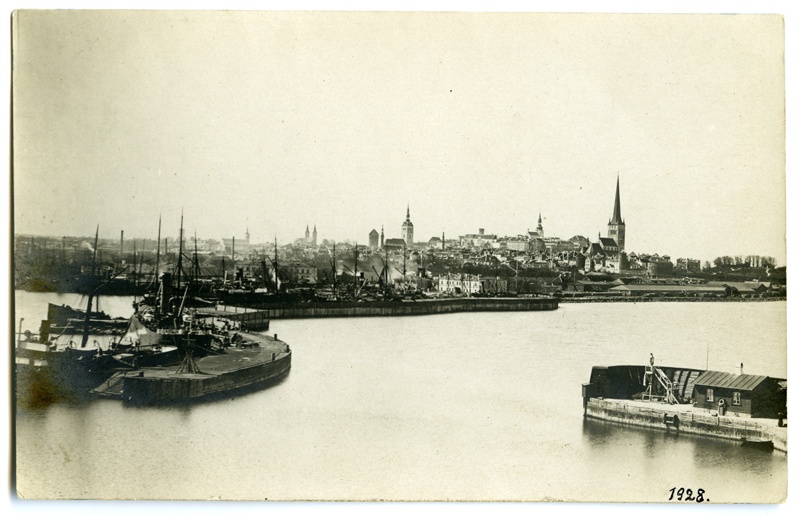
<point x="470" y="284"/>
<point x="408" y="228"/>
<point x="616" y="224"/>
<point x="745" y="395"/>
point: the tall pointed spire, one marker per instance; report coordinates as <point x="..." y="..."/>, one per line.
<point x="616" y="218"/>
<point x="408" y="212"/>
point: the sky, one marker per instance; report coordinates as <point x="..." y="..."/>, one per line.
<point x="271" y="121"/>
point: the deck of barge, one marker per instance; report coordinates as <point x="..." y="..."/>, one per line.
<point x="251" y="359"/>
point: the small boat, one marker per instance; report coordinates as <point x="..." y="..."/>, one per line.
<point x="759" y="444"/>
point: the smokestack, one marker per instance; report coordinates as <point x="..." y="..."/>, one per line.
<point x="739" y="369"/>
<point x="121" y="243"/>
<point x="166" y="291"/>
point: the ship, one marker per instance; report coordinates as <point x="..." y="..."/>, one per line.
<point x="169" y="352"/>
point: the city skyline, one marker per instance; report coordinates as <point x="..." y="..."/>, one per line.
<point x="272" y="122"/>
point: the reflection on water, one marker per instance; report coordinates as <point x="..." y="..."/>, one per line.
<point x="461" y="406"/>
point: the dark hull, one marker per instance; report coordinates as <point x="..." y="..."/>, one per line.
<point x="138" y="391"/>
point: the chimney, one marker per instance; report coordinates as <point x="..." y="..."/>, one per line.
<point x="739" y="369"/>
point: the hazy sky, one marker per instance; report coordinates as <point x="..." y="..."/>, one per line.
<point x="277" y="120"/>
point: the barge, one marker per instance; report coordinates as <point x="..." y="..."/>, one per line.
<point x="750" y="409"/>
<point x="250" y="362"/>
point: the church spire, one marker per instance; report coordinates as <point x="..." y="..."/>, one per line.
<point x="408" y="212"/>
<point x="616" y="218"/>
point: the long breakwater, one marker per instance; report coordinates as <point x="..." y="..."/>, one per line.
<point x="403" y="308"/>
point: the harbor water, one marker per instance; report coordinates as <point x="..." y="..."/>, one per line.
<point x="470" y="406"/>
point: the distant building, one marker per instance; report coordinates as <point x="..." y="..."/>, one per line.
<point x="302" y="273"/>
<point x="373" y="239"/>
<point x="408" y="228"/>
<point x="659" y="266"/>
<point x="539" y="233"/>
<point x="395" y="244"/>
<point x="477" y="240"/>
<point x="579" y="241"/>
<point x="688" y="264"/>
<point x="609" y="246"/>
<point x="518" y="244"/>
<point x="310" y="238"/>
<point x="616" y="224"/>
<point x="238" y="246"/>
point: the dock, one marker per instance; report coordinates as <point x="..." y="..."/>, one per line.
<point x="685" y="418"/>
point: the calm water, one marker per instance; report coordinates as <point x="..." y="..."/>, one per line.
<point x="461" y="406"/>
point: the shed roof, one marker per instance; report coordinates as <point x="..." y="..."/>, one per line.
<point x="743" y="382"/>
<point x="647" y="287"/>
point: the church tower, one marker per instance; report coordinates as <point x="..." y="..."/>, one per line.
<point x="314" y="237"/>
<point x="539" y="228"/>
<point x="616" y="225"/>
<point x="308" y="235"/>
<point x="408" y="229"/>
<point x="381" y="236"/>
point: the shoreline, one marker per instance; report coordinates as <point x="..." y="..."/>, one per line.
<point x="670" y="299"/>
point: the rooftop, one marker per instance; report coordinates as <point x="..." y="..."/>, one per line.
<point x="744" y="382"/>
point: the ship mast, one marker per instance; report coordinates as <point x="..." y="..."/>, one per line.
<point x="277" y="287"/>
<point x="355" y="271"/>
<point x="180" y="253"/>
<point x="135" y="278"/>
<point x="333" y="269"/>
<point x="158" y="248"/>
<point x="196" y="262"/>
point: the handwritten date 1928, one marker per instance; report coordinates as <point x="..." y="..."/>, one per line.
<point x="687" y="495"/>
